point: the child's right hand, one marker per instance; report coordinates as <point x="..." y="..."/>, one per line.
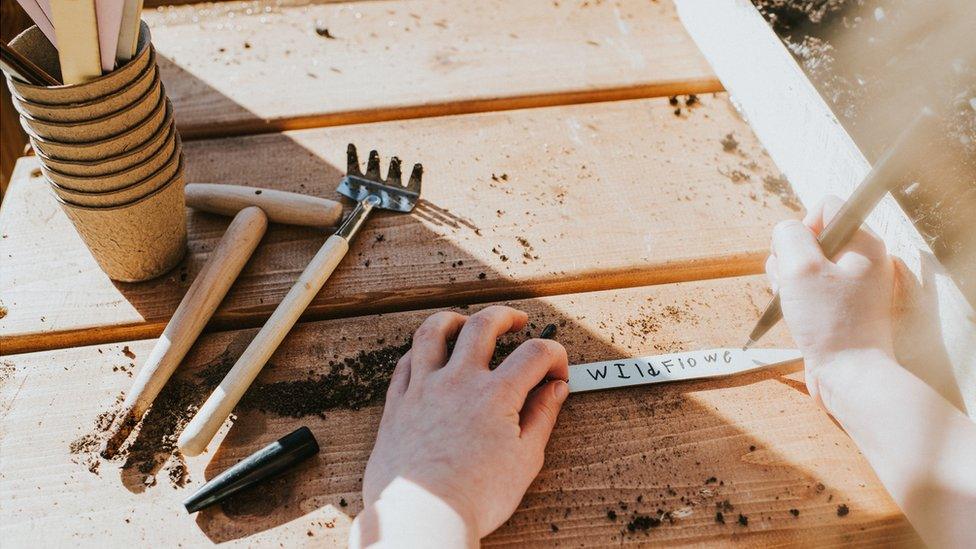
<point x="839" y="311"/>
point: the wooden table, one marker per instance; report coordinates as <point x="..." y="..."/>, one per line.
<point x="559" y="179"/>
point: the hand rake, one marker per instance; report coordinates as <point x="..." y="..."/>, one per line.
<point x="370" y="191"/>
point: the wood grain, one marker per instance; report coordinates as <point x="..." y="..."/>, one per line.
<point x="564" y="199"/>
<point x="280" y="206"/>
<point x="768" y="447"/>
<point x="249" y="67"/>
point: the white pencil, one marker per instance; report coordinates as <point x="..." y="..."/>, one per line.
<point x="128" y="31"/>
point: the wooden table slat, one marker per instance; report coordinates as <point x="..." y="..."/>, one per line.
<point x="249" y="67"/>
<point x="767" y="445"/>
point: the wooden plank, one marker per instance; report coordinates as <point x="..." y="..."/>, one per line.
<point x="768" y="447"/>
<point x="583" y="198"/>
<point x="247" y="67"/>
<point x="937" y="332"/>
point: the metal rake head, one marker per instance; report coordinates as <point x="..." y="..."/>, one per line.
<point x="392" y="193"/>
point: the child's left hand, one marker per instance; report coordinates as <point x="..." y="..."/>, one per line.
<point x="472" y="437"/>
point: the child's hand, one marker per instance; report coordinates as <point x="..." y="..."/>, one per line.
<point x="837" y="310"/>
<point x="472" y="437"/>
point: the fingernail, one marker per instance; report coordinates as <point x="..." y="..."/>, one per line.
<point x="561" y="390"/>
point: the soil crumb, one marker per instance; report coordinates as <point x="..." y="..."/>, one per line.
<point x="323" y="31"/>
<point x="643" y="523"/>
<point x="178" y="474"/>
<point x="729" y="143"/>
<point x="843" y="510"/>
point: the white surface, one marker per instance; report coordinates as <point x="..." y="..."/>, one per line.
<point x="673" y="367"/>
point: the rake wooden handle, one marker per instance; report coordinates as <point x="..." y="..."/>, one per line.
<point x="280" y="206"/>
<point x="204" y="425"/>
<point x="198" y="305"/>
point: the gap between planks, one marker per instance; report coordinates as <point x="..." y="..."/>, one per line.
<point x="191" y="131"/>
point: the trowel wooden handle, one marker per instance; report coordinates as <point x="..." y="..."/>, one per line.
<point x="280" y="206"/>
<point x="198" y="305"/>
<point x="202" y="428"/>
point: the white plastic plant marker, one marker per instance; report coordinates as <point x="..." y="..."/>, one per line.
<point x="674" y="367"/>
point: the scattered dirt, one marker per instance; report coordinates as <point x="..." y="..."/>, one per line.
<point x="743" y="520"/>
<point x="7" y="369"/>
<point x="643" y="523"/>
<point x="350" y="383"/>
<point x="843" y="510"/>
<point x="178" y="474"/>
<point x="86" y="447"/>
<point x="528" y="252"/>
<point x="736" y="175"/>
<point x="689" y="103"/>
<point x="780" y="187"/>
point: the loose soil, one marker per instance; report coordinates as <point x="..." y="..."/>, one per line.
<point x="350" y="383"/>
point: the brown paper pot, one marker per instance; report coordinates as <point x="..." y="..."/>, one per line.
<point x="96" y="108"/>
<point x="126" y="194"/>
<point x="97" y="129"/>
<point x="106" y="167"/>
<point x="33" y="45"/>
<point x="136" y="241"/>
<point x="105" y="148"/>
<point x="122" y="178"/>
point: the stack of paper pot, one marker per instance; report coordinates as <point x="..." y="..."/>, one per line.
<point x="113" y="158"/>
